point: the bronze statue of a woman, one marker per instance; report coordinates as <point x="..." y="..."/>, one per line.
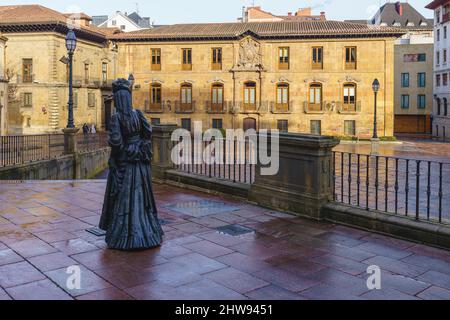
<point x="129" y="214"/>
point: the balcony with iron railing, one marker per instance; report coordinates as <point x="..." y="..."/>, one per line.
<point x="314" y="108"/>
<point x="257" y="107"/>
<point x="348" y="108"/>
<point x="154" y="107"/>
<point x="212" y="107"/>
<point x="184" y="107"/>
<point x="276" y="107"/>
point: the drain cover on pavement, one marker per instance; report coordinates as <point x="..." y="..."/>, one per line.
<point x="201" y="208"/>
<point x="96" y="232"/>
<point x="235" y="230"/>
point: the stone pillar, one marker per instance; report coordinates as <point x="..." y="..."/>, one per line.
<point x="70" y="140"/>
<point x="70" y="148"/>
<point x="303" y="184"/>
<point x="162" y="150"/>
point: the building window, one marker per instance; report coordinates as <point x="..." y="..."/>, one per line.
<point x="438" y="58"/>
<point x="155" y="121"/>
<point x="445" y="107"/>
<point x="186" y="59"/>
<point x="27" y="100"/>
<point x="217" y="97"/>
<point x="216" y="59"/>
<point x="445" y="32"/>
<point x="349" y="128"/>
<point x="438" y="80"/>
<point x="86" y="73"/>
<point x="250" y="95"/>
<point x="421" y="101"/>
<point x="114" y="23"/>
<point x="405" y="80"/>
<point x="91" y="99"/>
<point x="421" y="79"/>
<point x="316" y="127"/>
<point x="283" y="62"/>
<point x="445" y="79"/>
<point x="317" y="57"/>
<point x="283" y="125"/>
<point x="444" y="56"/>
<point x="104" y="72"/>
<point x="217" y="124"/>
<point x="123" y="27"/>
<point x="421" y="57"/>
<point x="155" y="95"/>
<point x="438" y="103"/>
<point x="438" y="35"/>
<point x="438" y="16"/>
<point x="186" y="124"/>
<point x="349" y="95"/>
<point x="350" y="58"/>
<point x="186" y="94"/>
<point x="27" y="70"/>
<point x="315" y="97"/>
<point x="405" y="101"/>
<point x="156" y="59"/>
<point x="283" y="96"/>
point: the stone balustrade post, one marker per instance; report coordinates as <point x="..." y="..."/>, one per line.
<point x="303" y="184"/>
<point x="162" y="150"/>
<point x="70" y="148"/>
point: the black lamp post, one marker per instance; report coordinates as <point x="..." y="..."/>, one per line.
<point x="71" y="45"/>
<point x="376" y="88"/>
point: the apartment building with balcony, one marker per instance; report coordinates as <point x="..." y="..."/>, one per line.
<point x="414" y="57"/>
<point x="441" y="112"/>
<point x="37" y="68"/>
<point x="298" y="76"/>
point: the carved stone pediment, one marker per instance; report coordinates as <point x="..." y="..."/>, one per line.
<point x="154" y="80"/>
<point x="185" y="81"/>
<point x="349" y="78"/>
<point x="250" y="57"/>
<point x="216" y="80"/>
<point x="281" y="79"/>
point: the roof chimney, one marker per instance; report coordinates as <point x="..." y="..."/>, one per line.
<point x="289" y="14"/>
<point x="399" y="8"/>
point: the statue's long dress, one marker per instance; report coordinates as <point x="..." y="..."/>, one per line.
<point x="129" y="214"/>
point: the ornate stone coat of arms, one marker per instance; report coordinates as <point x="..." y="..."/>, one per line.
<point x="250" y="58"/>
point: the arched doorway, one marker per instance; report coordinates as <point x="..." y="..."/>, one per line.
<point x="249" y="123"/>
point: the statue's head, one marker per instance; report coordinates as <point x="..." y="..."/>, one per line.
<point x="121" y="84"/>
<point x="122" y="95"/>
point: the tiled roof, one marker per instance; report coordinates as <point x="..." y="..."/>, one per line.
<point x="28" y="18"/>
<point x="29" y="13"/>
<point x="436" y="4"/>
<point x="282" y="29"/>
<point x="390" y="15"/>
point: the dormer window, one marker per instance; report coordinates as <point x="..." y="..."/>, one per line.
<point x="410" y="24"/>
<point x="423" y="24"/>
<point x="383" y="24"/>
<point x="397" y="24"/>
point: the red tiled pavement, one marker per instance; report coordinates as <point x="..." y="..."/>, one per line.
<point x="42" y="232"/>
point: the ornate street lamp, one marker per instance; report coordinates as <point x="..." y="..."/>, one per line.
<point x="71" y="45"/>
<point x="376" y="88"/>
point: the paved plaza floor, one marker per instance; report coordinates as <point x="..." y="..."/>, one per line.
<point x="215" y="248"/>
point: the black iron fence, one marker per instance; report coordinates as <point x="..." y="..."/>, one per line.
<point x="91" y="142"/>
<point x="17" y="150"/>
<point x="230" y="160"/>
<point x="415" y="188"/>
